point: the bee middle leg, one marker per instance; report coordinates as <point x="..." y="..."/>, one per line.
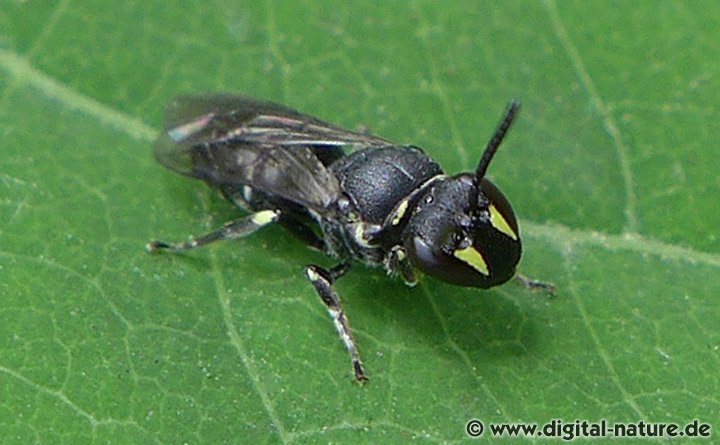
<point x="233" y="229"/>
<point x="322" y="279"/>
<point x="301" y="230"/>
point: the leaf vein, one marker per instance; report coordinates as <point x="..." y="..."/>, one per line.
<point x="558" y="235"/>
<point x="237" y="342"/>
<point x="462" y="354"/>
<point x="631" y="221"/>
<point x="440" y="91"/>
<point x="22" y="71"/>
<point x="597" y="341"/>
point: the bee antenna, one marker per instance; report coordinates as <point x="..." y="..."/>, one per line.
<point x="492" y="146"/>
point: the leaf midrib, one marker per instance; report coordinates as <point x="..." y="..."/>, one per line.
<point x="554" y="233"/>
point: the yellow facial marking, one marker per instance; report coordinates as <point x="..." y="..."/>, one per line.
<point x="499" y="222"/>
<point x="472" y="257"/>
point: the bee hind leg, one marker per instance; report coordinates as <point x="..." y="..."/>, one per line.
<point x="233" y="229"/>
<point x="322" y="279"/>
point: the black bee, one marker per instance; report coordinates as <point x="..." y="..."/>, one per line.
<point x="382" y="204"/>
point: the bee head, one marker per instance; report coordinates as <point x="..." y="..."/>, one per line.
<point x="463" y="230"/>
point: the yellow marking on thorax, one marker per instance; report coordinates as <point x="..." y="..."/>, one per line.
<point x="499" y="222"/>
<point x="402" y="208"/>
<point x="359" y="235"/>
<point x="472" y="258"/>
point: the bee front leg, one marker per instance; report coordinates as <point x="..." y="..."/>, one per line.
<point x="534" y="284"/>
<point x="233" y="229"/>
<point x="396" y="262"/>
<point x="322" y="279"/>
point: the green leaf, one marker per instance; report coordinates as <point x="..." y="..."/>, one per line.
<point x="611" y="168"/>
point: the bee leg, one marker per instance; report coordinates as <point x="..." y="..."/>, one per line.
<point x="533" y="284"/>
<point x="396" y="262"/>
<point x="233" y="229"/>
<point x="322" y="279"/>
<point x="302" y="231"/>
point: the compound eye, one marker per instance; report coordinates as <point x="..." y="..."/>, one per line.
<point x="501" y="215"/>
<point x="464" y="266"/>
<point x="426" y="259"/>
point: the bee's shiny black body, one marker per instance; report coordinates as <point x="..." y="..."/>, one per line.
<point x="372" y="182"/>
<point x="381" y="204"/>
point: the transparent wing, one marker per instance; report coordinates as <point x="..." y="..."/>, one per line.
<point x="197" y="119"/>
<point x="233" y="140"/>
